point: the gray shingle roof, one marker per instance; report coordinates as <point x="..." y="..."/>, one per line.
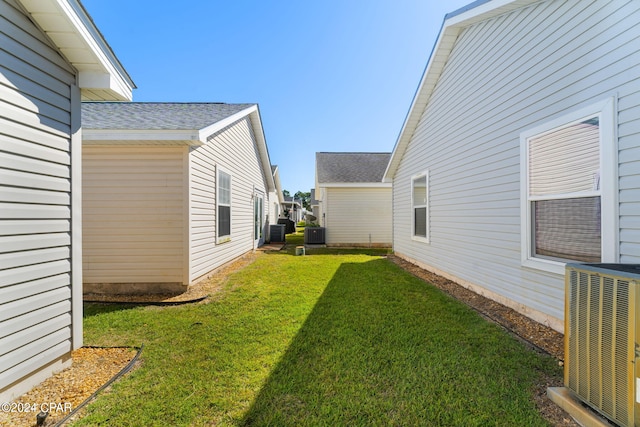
<point x="351" y="167"/>
<point x="156" y="115"/>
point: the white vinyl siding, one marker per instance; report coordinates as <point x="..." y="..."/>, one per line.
<point x="36" y="97"/>
<point x="133" y="214"/>
<point x="233" y="150"/>
<point x="506" y="75"/>
<point x="357" y="216"/>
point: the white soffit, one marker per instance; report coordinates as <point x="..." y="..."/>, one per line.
<point x="141" y="137"/>
<point x="101" y="77"/>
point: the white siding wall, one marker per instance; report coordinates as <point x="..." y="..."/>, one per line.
<point x="358" y="216"/>
<point x="134" y="202"/>
<point x="234" y="150"/>
<point x="504" y="76"/>
<point x="36" y="98"/>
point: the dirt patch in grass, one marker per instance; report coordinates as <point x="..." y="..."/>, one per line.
<point x="538" y="336"/>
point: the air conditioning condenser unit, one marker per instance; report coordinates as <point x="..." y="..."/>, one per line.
<point x="602" y="354"/>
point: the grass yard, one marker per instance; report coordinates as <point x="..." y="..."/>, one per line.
<point x="326" y="339"/>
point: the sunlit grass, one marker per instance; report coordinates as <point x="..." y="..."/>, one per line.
<point x="325" y="339"/>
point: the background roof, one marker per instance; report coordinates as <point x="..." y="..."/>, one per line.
<point x="351" y="167"/>
<point x="155" y="115"/>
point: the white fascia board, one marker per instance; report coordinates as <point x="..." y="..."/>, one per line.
<point x="278" y="184"/>
<point x="263" y="150"/>
<point x="119" y="80"/>
<point x="435" y="65"/>
<point x="205" y="133"/>
<point x="452" y="25"/>
<point x="354" y="185"/>
<point x="484" y="10"/>
<point x="258" y="131"/>
<point x="170" y="137"/>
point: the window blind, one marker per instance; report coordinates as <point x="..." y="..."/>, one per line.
<point x="565" y="161"/>
<point x="568" y="228"/>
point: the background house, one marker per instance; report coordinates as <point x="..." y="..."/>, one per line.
<point x="294" y="207"/>
<point x="276" y="198"/>
<point x="171" y="192"/>
<point x="352" y="201"/>
<point x="315" y="206"/>
<point x="51" y="56"/>
<point x="520" y="150"/>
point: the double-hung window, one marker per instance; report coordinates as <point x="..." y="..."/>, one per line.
<point x="223" y="202"/>
<point x="420" y="207"/>
<point x="568" y="175"/>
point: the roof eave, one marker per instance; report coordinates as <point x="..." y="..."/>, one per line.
<point x="379" y="184"/>
<point x="101" y="76"/>
<point x="278" y="184"/>
<point x="263" y="150"/>
<point x="452" y="25"/>
<point x="141" y="137"/>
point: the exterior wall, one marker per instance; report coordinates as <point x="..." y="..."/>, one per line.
<point x="134" y="218"/>
<point x="38" y="100"/>
<point x="504" y="76"/>
<point x="233" y="150"/>
<point x="358" y="216"/>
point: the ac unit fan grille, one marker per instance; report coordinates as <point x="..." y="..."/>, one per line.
<point x="600" y="344"/>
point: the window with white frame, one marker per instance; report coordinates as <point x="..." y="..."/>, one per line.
<point x="223" y="201"/>
<point x="569" y="190"/>
<point x="420" y="207"/>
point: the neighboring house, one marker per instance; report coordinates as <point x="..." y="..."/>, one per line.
<point x="521" y="149"/>
<point x="51" y="56"/>
<point x="354" y="204"/>
<point x="276" y="198"/>
<point x="294" y="207"/>
<point x="315" y="206"/>
<point x="171" y="191"/>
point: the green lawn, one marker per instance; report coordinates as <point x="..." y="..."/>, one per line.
<point x="324" y="339"/>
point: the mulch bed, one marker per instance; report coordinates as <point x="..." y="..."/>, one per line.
<point x="198" y="292"/>
<point x="65" y="391"/>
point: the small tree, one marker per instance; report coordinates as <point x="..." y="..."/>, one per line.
<point x="305" y="198"/>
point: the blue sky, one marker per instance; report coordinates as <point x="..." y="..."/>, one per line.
<point x="335" y="75"/>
